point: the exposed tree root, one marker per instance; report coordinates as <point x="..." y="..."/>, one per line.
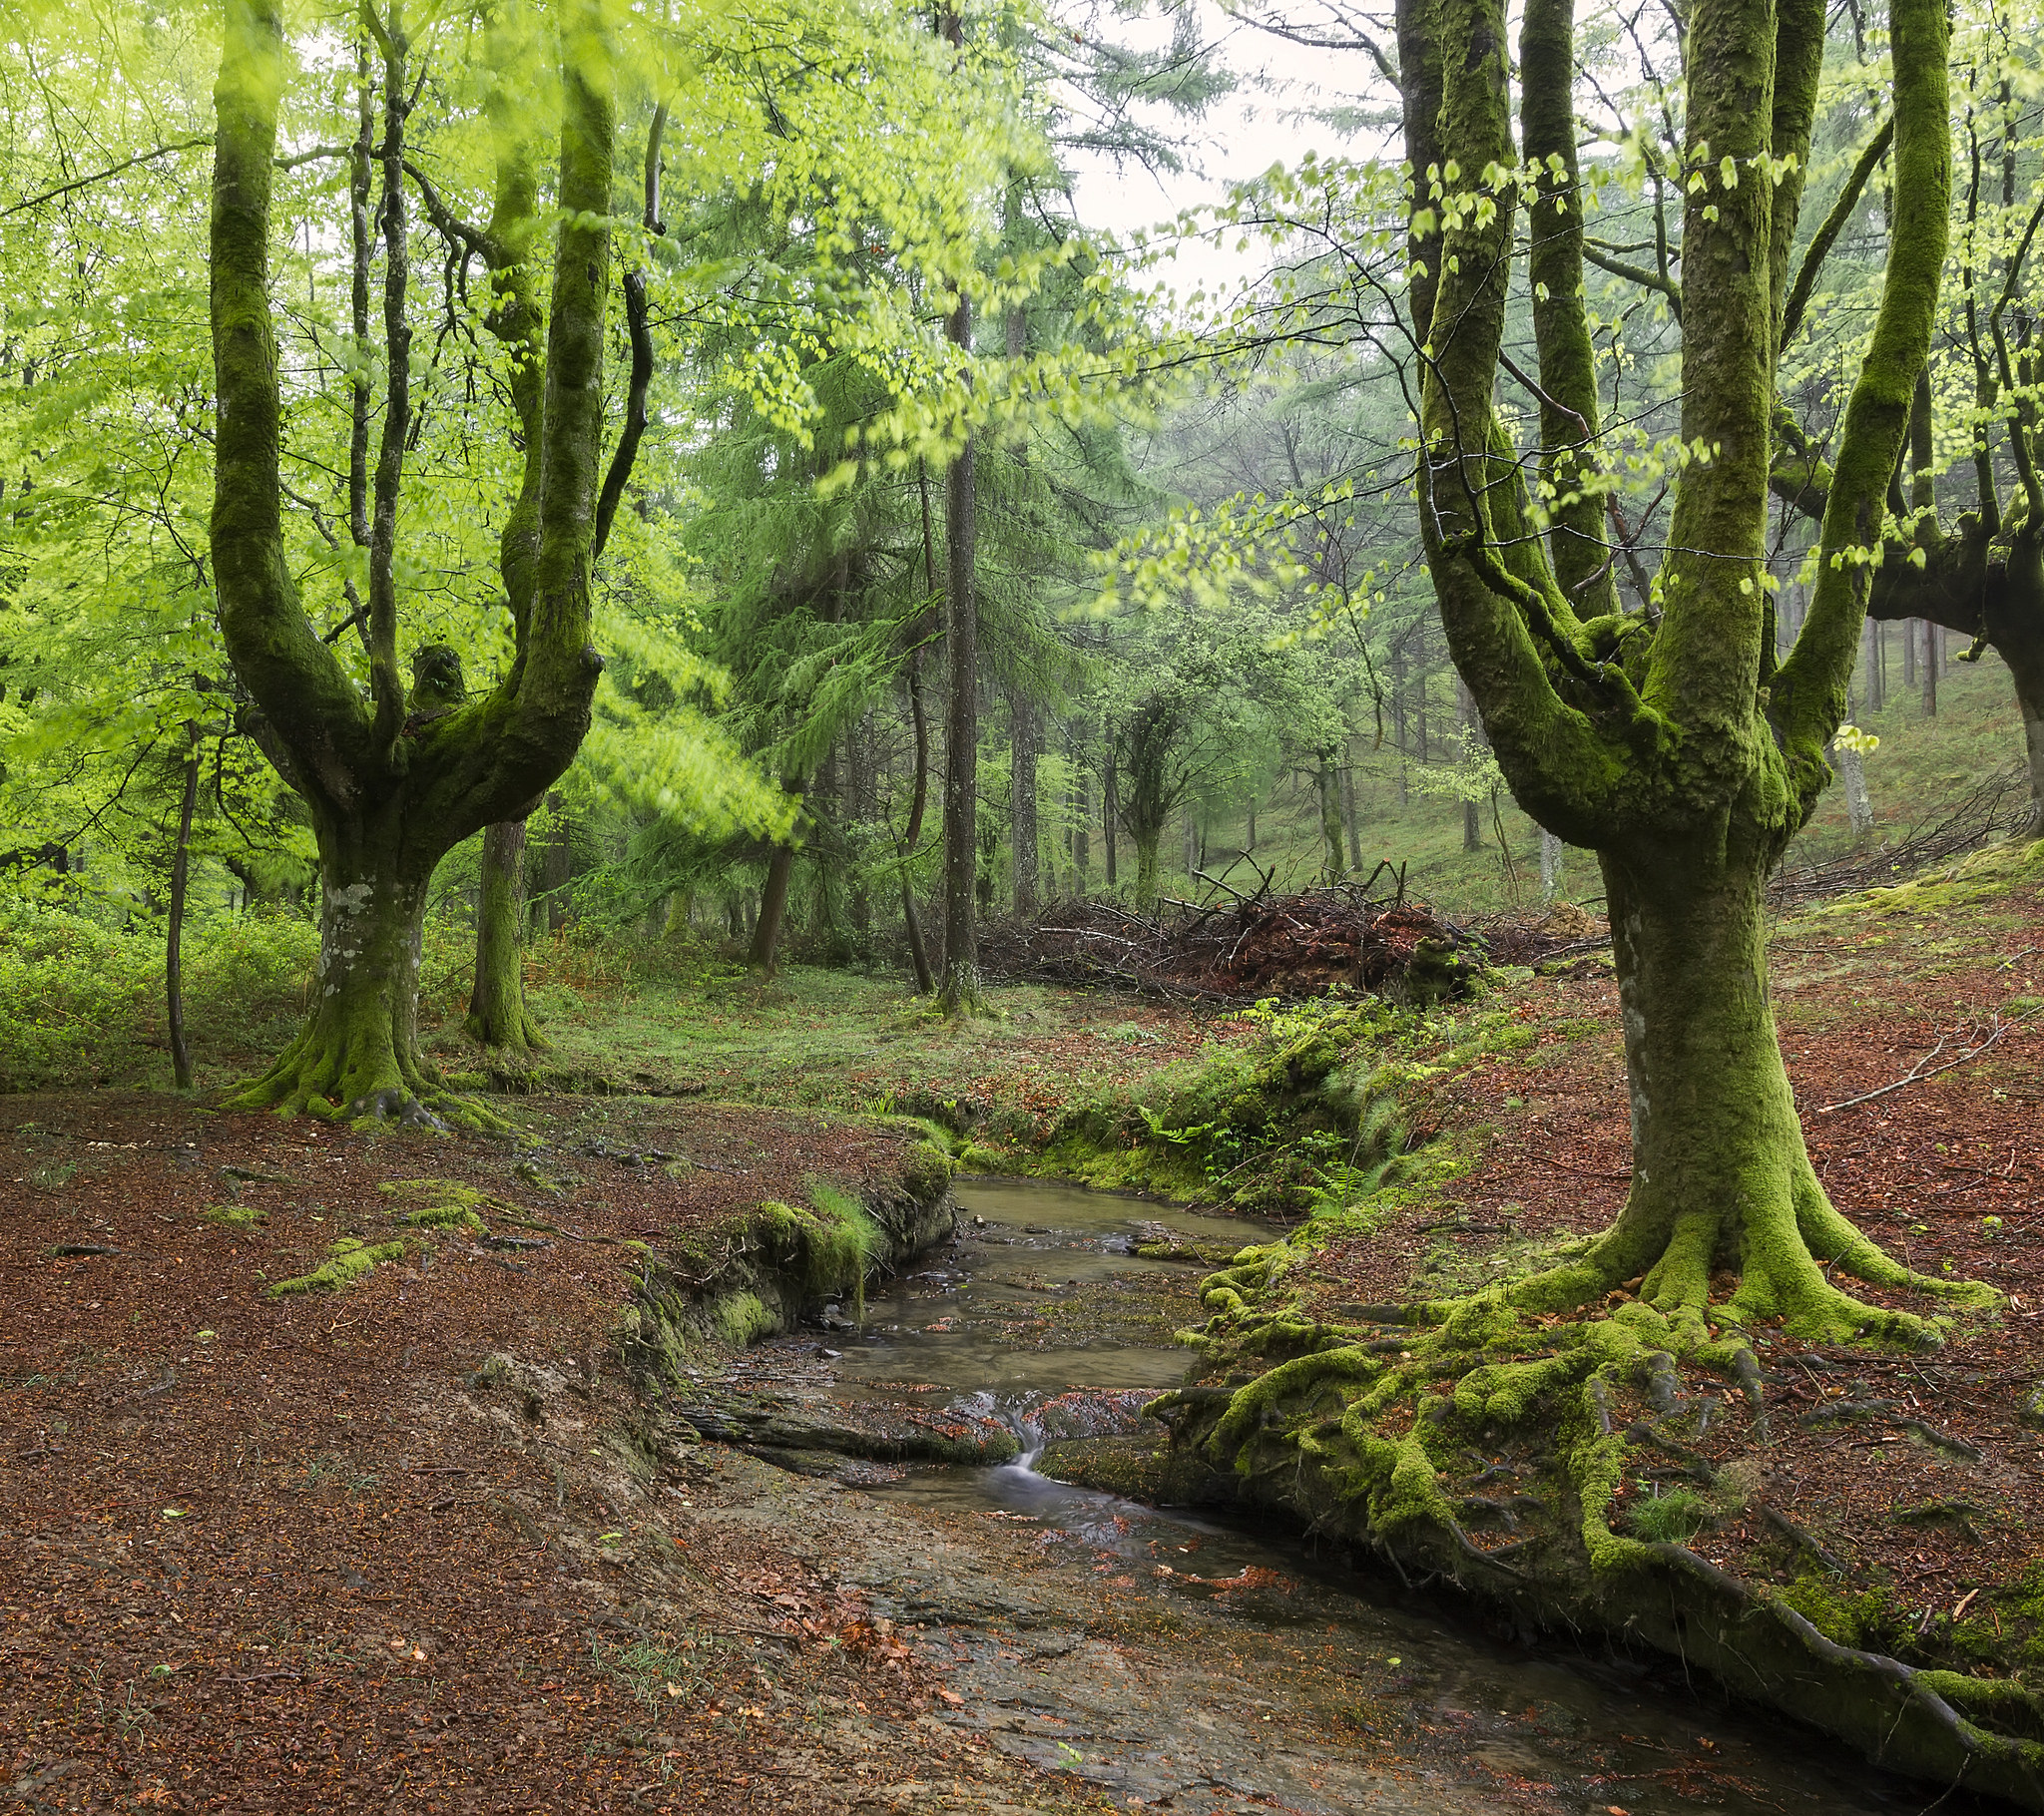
<point x="1381" y="1414"/>
<point x="371" y="1084"/>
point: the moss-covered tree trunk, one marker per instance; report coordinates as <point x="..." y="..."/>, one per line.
<point x="1147" y="842"/>
<point x="395" y="781"/>
<point x="1721" y="1181"/>
<point x="1328" y="785"/>
<point x="497" y="1015"/>
<point x="1676" y="749"/>
<point x="357" y="1055"/>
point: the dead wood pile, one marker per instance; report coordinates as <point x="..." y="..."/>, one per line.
<point x="1245" y="947"/>
<point x="1996" y="809"/>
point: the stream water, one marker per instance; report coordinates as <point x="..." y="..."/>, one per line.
<point x="1043" y="1315"/>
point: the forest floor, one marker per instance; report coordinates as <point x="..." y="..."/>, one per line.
<point x="1911" y="1483"/>
<point x="273" y="1554"/>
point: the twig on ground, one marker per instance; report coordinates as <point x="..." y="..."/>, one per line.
<point x="1924" y="1069"/>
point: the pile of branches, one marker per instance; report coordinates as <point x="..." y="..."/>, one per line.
<point x="1238" y="948"/>
<point x="1998" y="808"/>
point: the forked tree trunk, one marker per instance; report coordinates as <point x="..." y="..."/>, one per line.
<point x="497" y="1015"/>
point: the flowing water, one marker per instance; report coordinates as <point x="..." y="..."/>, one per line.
<point x="1043" y="1313"/>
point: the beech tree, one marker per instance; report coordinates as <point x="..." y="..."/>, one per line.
<point x="394" y="781"/>
<point x="1675" y="746"/>
<point x="1974" y="427"/>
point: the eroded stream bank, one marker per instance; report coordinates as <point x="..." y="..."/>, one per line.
<point x="1164" y="1657"/>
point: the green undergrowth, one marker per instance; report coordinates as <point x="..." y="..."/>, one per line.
<point x="347" y="1261"/>
<point x="1980" y="876"/>
<point x="1298" y="1112"/>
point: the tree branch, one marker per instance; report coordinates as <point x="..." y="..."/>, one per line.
<point x="112" y="169"/>
<point x="627" y="451"/>
<point x="1633" y="274"/>
<point x="1833" y="225"/>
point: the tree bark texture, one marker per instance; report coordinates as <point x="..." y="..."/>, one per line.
<point x="1328" y="782"/>
<point x="174" y="939"/>
<point x="392" y="785"/>
<point x="497" y="1015"/>
<point x="1025" y="748"/>
<point x="960" y="991"/>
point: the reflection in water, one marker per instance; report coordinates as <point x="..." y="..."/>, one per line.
<point x="1045" y="1297"/>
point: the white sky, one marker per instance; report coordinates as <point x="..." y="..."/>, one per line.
<point x="1242" y="136"/>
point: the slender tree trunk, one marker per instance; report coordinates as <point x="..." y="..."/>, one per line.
<point x="1472" y="816"/>
<point x="1550" y="865"/>
<point x="1028" y="738"/>
<point x="1909" y="629"/>
<point x="918" y="952"/>
<point x="1110" y="806"/>
<point x="1933" y="638"/>
<point x="496" y="1007"/>
<point x="859" y="789"/>
<point x="557" y="863"/>
<point x="1252" y="845"/>
<point x="960" y="991"/>
<point x="1852" y="773"/>
<point x="773" y="909"/>
<point x="1349" y="816"/>
<point x="1328" y="785"/>
<point x="174" y="947"/>
<point x="1082" y="856"/>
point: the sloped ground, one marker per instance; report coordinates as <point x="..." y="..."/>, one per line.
<point x="1896" y="1500"/>
<point x="318" y="1552"/>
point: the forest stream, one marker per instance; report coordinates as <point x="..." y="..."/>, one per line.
<point x="1162" y="1653"/>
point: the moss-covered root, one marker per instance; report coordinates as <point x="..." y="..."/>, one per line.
<point x="347" y="1261"/>
<point x="371" y="1083"/>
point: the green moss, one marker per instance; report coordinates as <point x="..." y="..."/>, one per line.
<point x="926" y="1171"/>
<point x="450" y="1204"/>
<point x="1868" y="1620"/>
<point x="347" y="1261"/>
<point x="741" y="1318"/>
<point x="237" y="1216"/>
<point x="443" y="1216"/>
